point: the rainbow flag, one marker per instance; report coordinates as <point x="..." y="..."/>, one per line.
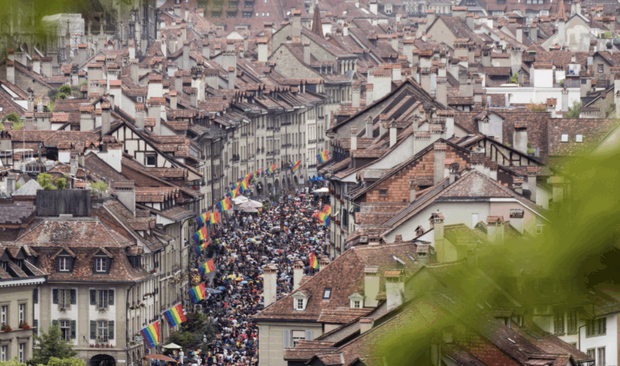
<point x="207" y="267"/>
<point x="327" y="210"/>
<point x="296" y="166"/>
<point x="272" y="168"/>
<point x="202" y="218"/>
<point x="224" y="205"/>
<point x="175" y="315"/>
<point x="245" y="183"/>
<point x="214" y="218"/>
<point x="323" y="157"/>
<point x="201" y="248"/>
<point x="198" y="293"/>
<point x="232" y="194"/>
<point x="314" y="261"/>
<point x="326" y="248"/>
<point x="151" y="335"/>
<point x="324" y="219"/>
<point x="201" y="234"/>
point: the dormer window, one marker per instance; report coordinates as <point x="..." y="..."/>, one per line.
<point x="102" y="261"/>
<point x="64" y="260"/>
<point x="357" y="301"/>
<point x="63" y="264"/>
<point x="101" y="265"/>
<point x="578" y="138"/>
<point x="300" y="300"/>
<point x="564" y="137"/>
<point x="300" y="304"/>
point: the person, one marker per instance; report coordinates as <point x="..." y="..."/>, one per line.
<point x="181" y="357"/>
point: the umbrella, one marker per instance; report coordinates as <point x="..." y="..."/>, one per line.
<point x="302" y="195"/>
<point x="172" y="346"/>
<point x="161" y="358"/>
<point x="239" y="199"/>
<point x="255" y="204"/>
<point x="221" y="288"/>
<point x="321" y="190"/>
<point x="214" y="292"/>
<point x="244" y="282"/>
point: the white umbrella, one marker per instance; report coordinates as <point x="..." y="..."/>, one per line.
<point x="172" y="346"/>
<point x="255" y="204"/>
<point x="239" y="200"/>
<point x="247" y="207"/>
<point x="321" y="190"/>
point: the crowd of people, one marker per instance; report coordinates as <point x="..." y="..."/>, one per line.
<point x="281" y="233"/>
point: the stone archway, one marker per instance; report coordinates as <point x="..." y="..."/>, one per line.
<point x="102" y="360"/>
<point x="276" y="186"/>
<point x="270" y="188"/>
<point x="259" y="188"/>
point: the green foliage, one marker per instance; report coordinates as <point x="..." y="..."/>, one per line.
<point x="66" y="89"/>
<point x="72" y="361"/>
<point x="574" y="111"/>
<point x="50" y="106"/>
<point x="606" y="35"/>
<point x="98" y="188"/>
<point x="52" y="346"/>
<point x="61" y="96"/>
<point x="191" y="332"/>
<point x="12" y="362"/>
<point x="52" y="94"/>
<point x="514" y="78"/>
<point x="13" y="117"/>
<point x="562" y="83"/>
<point x="17" y="186"/>
<point x="541" y="107"/>
<point x="46" y="181"/>
<point x="61" y="183"/>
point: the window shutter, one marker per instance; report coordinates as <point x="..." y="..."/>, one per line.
<point x="111" y="297"/>
<point x="308" y="335"/>
<point x="93" y="329"/>
<point x="93" y="297"/>
<point x="286" y="338"/>
<point x="70" y="263"/>
<point x="73" y="296"/>
<point x="108" y="262"/>
<point x="111" y="329"/>
<point x="73" y="329"/>
<point x="58" y="264"/>
<point x="35" y="296"/>
<point x="55" y="296"/>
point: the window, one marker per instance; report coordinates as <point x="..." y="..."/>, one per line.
<point x="63" y="264"/>
<point x="65" y="329"/>
<point x="298" y="335"/>
<point x="578" y="138"/>
<point x="64" y="298"/>
<point x="247" y="14"/>
<point x="233" y="4"/>
<point x="600" y="71"/>
<point x="357" y="304"/>
<point x="22" y="352"/>
<point x="571" y="321"/>
<point x="600" y="357"/>
<point x="101" y="264"/>
<point x="300" y="304"/>
<point x="248" y="4"/>
<point x="102" y="331"/>
<point x="383" y="192"/>
<point x="231" y="14"/>
<point x="591" y="353"/>
<point x="22" y="313"/>
<point x="151" y="159"/>
<point x="540" y="228"/>
<point x="584" y="81"/>
<point x="327" y="293"/>
<point x="596" y="327"/>
<point x="4" y="314"/>
<point x="564" y="137"/>
<point x="4" y="353"/>
<point x="558" y="322"/>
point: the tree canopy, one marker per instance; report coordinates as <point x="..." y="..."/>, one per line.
<point x="52" y="346"/>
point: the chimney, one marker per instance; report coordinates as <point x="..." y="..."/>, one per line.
<point x="408" y="46"/>
<point x="133" y="70"/>
<point x="369" y="129"/>
<point x="296" y="24"/>
<point x="439" y="157"/>
<point x="493" y="170"/>
<point x="206" y="51"/>
<point x="186" y="64"/>
<point x="10" y="72"/>
<point x="307" y="53"/>
<point x="173" y="99"/>
<point x="437" y="221"/>
<point x="140" y="116"/>
<point x="520" y="34"/>
<point x="105" y="118"/>
<point x="532" y="173"/>
<point x="453" y="169"/>
<point x="396" y="72"/>
<point x="345" y="29"/>
<point x="36" y="64"/>
<point x="30" y="102"/>
<point x="232" y="75"/>
<point x="394" y="289"/>
<point x="263" y="52"/>
<point x="125" y="192"/>
<point x="369" y="94"/>
<point x="371" y="286"/>
<point x="469" y="20"/>
<point x="516" y="220"/>
<point x="394" y="42"/>
<point x="534" y="32"/>
<point x="298" y="273"/>
<point x="373" y="7"/>
<point x="46" y="66"/>
<point x="87" y="120"/>
<point x="442" y="91"/>
<point x="393" y="134"/>
<point x="10" y="184"/>
<point x="270" y="282"/>
<point x="412" y="190"/>
<point x="193" y="96"/>
<point x="356" y="87"/>
<point x="495" y="229"/>
<point x="430" y="17"/>
<point x="155" y="86"/>
<point x="366" y="324"/>
<point x="353" y="138"/>
<point x="520" y="138"/>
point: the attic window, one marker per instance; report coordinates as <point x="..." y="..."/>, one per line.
<point x="300" y="304"/>
<point x="579" y="138"/>
<point x="150" y="159"/>
<point x="564" y="137"/>
<point x="64" y="264"/>
<point x="327" y="293"/>
<point x="383" y="192"/>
